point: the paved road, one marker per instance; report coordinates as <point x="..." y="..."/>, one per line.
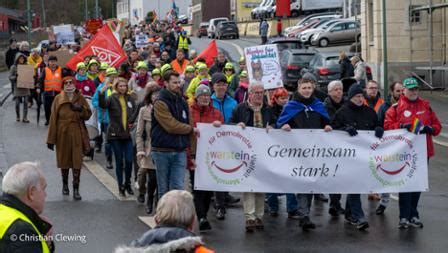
<point x="107" y="221"/>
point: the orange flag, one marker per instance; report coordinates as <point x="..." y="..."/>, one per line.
<point x="209" y="54"/>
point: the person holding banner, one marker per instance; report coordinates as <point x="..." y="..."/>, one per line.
<point x="83" y="83"/>
<point x="415" y="115"/>
<point x="304" y="111"/>
<point x="20" y="94"/>
<point x="353" y="116"/>
<point x="254" y="113"/>
<point x="202" y="111"/>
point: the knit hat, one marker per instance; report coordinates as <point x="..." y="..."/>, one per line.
<point x="141" y="64"/>
<point x="410" y="83"/>
<point x="205" y="82"/>
<point x="309" y="76"/>
<point x="218" y="77"/>
<point x="111" y="71"/>
<point x="80" y="65"/>
<point x="189" y="69"/>
<point x="156" y="72"/>
<point x="243" y="73"/>
<point x="103" y="66"/>
<point x="354" y="90"/>
<point x="202" y="90"/>
<point x="67" y="78"/>
<point x="229" y="65"/>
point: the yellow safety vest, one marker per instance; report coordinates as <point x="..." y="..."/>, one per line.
<point x="9" y="216"/>
<point x="183" y="43"/>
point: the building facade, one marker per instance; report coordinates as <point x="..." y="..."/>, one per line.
<point x="416" y="40"/>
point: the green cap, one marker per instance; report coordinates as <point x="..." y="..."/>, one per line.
<point x="156" y="72"/>
<point x="142" y="64"/>
<point x="111" y="71"/>
<point x="242" y="59"/>
<point x="201" y="66"/>
<point x="165" y="68"/>
<point x="243" y="73"/>
<point x="93" y="62"/>
<point x="80" y="65"/>
<point x="189" y="69"/>
<point x="410" y="83"/>
<point x="228" y="65"/>
<point x="103" y="66"/>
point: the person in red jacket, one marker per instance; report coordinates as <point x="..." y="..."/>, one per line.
<point x="202" y="111"/>
<point x="402" y="115"/>
<point x="85" y="85"/>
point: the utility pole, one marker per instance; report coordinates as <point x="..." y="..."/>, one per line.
<point x="44" y="22"/>
<point x="28" y="12"/>
<point x="85" y="10"/>
<point x="97" y="9"/>
<point x="384" y="28"/>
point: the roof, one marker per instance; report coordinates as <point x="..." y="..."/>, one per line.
<point x="11" y="12"/>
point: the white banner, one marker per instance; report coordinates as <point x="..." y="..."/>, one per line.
<point x="64" y="38"/>
<point x="141" y="40"/>
<point x="263" y="65"/>
<point x="309" y="161"/>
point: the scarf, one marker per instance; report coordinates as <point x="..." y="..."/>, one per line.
<point x="80" y="77"/>
<point x="294" y="107"/>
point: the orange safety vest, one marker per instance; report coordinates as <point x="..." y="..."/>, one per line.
<point x="53" y="80"/>
<point x="377" y="105"/>
<point x="177" y="67"/>
<point x="202" y="249"/>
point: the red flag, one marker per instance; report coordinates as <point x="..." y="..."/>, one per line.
<point x="209" y="54"/>
<point x="105" y="46"/>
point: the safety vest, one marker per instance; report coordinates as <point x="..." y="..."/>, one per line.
<point x="9" y="216"/>
<point x="202" y="249"/>
<point x="377" y="105"/>
<point x="53" y="80"/>
<point x="179" y="68"/>
<point x="183" y="43"/>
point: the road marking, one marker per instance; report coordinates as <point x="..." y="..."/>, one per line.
<point x="107" y="180"/>
<point x="394" y="197"/>
<point x="148" y="220"/>
<point x="441" y="143"/>
<point x="238" y="48"/>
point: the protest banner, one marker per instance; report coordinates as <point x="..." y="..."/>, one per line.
<point x="309" y="161"/>
<point x="65" y="38"/>
<point x="25" y="76"/>
<point x="263" y="65"/>
<point x="141" y="40"/>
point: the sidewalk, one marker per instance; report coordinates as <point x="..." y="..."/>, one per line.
<point x="439" y="103"/>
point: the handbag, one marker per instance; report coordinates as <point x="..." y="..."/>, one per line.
<point x="85" y="139"/>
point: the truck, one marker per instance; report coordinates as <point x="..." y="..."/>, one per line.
<point x="300" y="7"/>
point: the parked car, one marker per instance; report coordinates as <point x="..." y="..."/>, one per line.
<point x="227" y="29"/>
<point x="306" y="35"/>
<point x="202" y="31"/>
<point x="312" y="22"/>
<point x="286" y="43"/>
<point x="183" y="19"/>
<point x="212" y="26"/>
<point x="292" y="62"/>
<point x="255" y="13"/>
<point x="266" y="10"/>
<point x="340" y="32"/>
<point x="320" y="16"/>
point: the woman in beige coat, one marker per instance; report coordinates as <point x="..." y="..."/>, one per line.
<point x="143" y="141"/>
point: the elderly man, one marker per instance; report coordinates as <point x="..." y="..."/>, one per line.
<point x="174" y="230"/>
<point x="254" y="113"/>
<point x="333" y="103"/>
<point x="22" y="203"/>
<point x="410" y="108"/>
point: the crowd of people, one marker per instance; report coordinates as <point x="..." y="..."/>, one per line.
<point x="147" y="111"/>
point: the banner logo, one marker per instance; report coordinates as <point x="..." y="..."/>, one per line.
<point x="230" y="167"/>
<point x="385" y="167"/>
<point x="105" y="55"/>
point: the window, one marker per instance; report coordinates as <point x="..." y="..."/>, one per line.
<point x="415" y="17"/>
<point x="338" y="28"/>
<point x="350" y="26"/>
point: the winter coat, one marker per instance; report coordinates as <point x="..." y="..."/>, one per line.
<point x="20" y="227"/>
<point x="194" y="84"/>
<point x="202" y="114"/>
<point x="115" y="130"/>
<point x="86" y="87"/>
<point x="307" y="119"/>
<point x="10" y="57"/>
<point x="405" y="111"/>
<point x="381" y="113"/>
<point x="65" y="129"/>
<point x="359" y="117"/>
<point x="360" y="74"/>
<point x="241" y="94"/>
<point x="164" y="239"/>
<point x="243" y="113"/>
<point x="217" y="67"/>
<point x="225" y="106"/>
<point x="103" y="114"/>
<point x="264" y="27"/>
<point x="332" y="107"/>
<point x="17" y="92"/>
<point x="346" y="68"/>
<point x="143" y="137"/>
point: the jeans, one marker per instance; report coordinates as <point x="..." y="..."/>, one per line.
<point x="291" y="202"/>
<point x="170" y="170"/>
<point x="304" y="203"/>
<point x="48" y="101"/>
<point x="123" y="149"/>
<point x="384" y="199"/>
<point x="335" y="200"/>
<point x="99" y="140"/>
<point x="19" y="100"/>
<point x="353" y="207"/>
<point x="408" y="202"/>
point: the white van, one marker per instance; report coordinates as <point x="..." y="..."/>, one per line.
<point x="212" y="26"/>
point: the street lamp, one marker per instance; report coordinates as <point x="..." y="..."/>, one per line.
<point x="28" y="14"/>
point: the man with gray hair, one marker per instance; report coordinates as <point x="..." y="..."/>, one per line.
<point x="21" y="207"/>
<point x="175" y="218"/>
<point x="254" y="113"/>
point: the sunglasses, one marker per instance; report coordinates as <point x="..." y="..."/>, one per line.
<point x="68" y="82"/>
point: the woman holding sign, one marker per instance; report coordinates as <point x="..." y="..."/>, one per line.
<point x="20" y="94"/>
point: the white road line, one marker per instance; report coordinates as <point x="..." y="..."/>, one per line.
<point x="238" y="48"/>
<point x="107" y="180"/>
<point x="148" y="220"/>
<point x="394" y="197"/>
<point x="441" y="143"/>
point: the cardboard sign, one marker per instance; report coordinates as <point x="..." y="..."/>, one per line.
<point x="25" y="76"/>
<point x="63" y="56"/>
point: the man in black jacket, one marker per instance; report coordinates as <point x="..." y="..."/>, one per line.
<point x="11" y="53"/>
<point x="353" y="116"/>
<point x="304" y="111"/>
<point x="219" y="64"/>
<point x="21" y="205"/>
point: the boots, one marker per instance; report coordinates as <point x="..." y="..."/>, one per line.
<point x="91" y="153"/>
<point x="149" y="204"/>
<point x="76" y="195"/>
<point x="129" y="190"/>
<point x="109" y="162"/>
<point x="65" y="190"/>
<point x="122" y="191"/>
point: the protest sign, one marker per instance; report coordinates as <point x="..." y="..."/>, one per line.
<point x="25" y="76"/>
<point x="63" y="56"/>
<point x="263" y="65"/>
<point x="141" y="40"/>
